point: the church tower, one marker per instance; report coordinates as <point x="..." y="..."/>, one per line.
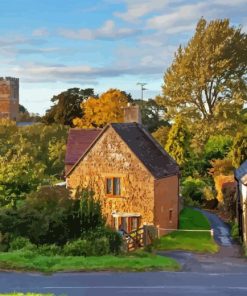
<point x="9" y="98"/>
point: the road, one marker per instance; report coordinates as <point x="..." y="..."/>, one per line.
<point x="107" y="284"/>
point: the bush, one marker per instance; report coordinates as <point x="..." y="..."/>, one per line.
<point x="4" y="242"/>
<point x="235" y="231"/>
<point x="49" y="250"/>
<point x="113" y="237"/>
<point x="79" y="247"/>
<point x="101" y="246"/>
<point x="50" y="216"/>
<point x="20" y="243"/>
<point x="83" y="247"/>
<point x="192" y="191"/>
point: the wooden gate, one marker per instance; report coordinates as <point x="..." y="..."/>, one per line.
<point x="140" y="237"/>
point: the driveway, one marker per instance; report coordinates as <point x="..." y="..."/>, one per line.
<point x="228" y="260"/>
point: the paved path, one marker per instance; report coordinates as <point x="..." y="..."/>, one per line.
<point x="122" y="284"/>
<point x="222" y="234"/>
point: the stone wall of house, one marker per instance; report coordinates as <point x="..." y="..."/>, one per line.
<point x="166" y="203"/>
<point x="9" y="98"/>
<point x="111" y="157"/>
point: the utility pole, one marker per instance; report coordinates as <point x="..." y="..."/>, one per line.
<point x="142" y="84"/>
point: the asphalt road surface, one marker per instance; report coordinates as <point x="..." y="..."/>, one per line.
<point x="149" y="283"/>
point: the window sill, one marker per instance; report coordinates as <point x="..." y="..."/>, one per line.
<point x="114" y="196"/>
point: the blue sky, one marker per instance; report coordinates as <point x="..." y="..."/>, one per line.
<point x="53" y="45"/>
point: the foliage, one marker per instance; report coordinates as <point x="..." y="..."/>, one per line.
<point x="221" y="167"/>
<point x="100" y="111"/>
<point x="206" y="82"/>
<point x="217" y="147"/>
<point x="197" y="241"/>
<point x="67" y="106"/>
<point x="161" y="135"/>
<point x="19" y="175"/>
<point x="220" y="182"/>
<point x="32" y="261"/>
<point x="235" y="231"/>
<point x="25" y="116"/>
<point x="19" y="243"/>
<point x="42" y="146"/>
<point x="152" y="114"/>
<point x="177" y="144"/>
<point x="83" y="247"/>
<point x="239" y="149"/>
<point x="50" y="216"/>
<point x="192" y="189"/>
<point x="229" y="205"/>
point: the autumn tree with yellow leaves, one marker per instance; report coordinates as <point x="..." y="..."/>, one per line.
<point x="206" y="83"/>
<point x="97" y="112"/>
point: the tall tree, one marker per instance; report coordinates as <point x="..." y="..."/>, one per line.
<point x="97" y="112"/>
<point x="206" y="82"/>
<point x="67" y="106"/>
<point x="178" y="144"/>
<point x="152" y="114"/>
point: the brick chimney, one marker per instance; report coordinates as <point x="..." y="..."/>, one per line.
<point x="132" y="113"/>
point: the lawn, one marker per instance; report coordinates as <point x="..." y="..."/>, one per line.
<point x="190" y="241"/>
<point x="30" y="261"/>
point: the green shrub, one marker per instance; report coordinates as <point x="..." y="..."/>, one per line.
<point x="235" y="231"/>
<point x="101" y="246"/>
<point x="192" y="191"/>
<point x="50" y="216"/>
<point x="20" y="243"/>
<point x="49" y="250"/>
<point x="4" y="242"/>
<point x="114" y="238"/>
<point x="79" y="247"/>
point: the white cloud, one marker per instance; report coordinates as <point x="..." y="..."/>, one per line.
<point x="139" y="8"/>
<point x="107" y="31"/>
<point x="184" y="16"/>
<point x="41" y="32"/>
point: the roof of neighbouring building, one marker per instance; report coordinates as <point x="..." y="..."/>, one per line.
<point x="158" y="162"/>
<point x="241" y="173"/>
<point x="78" y="142"/>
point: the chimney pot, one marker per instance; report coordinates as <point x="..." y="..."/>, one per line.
<point x="132" y="113"/>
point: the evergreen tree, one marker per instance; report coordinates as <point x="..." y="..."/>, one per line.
<point x="178" y="141"/>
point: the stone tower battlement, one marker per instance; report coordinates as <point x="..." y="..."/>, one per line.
<point x="9" y="98"/>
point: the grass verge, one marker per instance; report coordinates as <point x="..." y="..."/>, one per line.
<point x="189" y="241"/>
<point x="30" y="261"/>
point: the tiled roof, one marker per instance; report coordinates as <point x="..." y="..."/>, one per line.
<point x="78" y="142"/>
<point x="159" y="163"/>
<point x="241" y="173"/>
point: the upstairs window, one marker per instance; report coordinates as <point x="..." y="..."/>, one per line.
<point x="113" y="186"/>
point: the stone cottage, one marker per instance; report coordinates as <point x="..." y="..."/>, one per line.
<point x="136" y="181"/>
<point x="241" y="177"/>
